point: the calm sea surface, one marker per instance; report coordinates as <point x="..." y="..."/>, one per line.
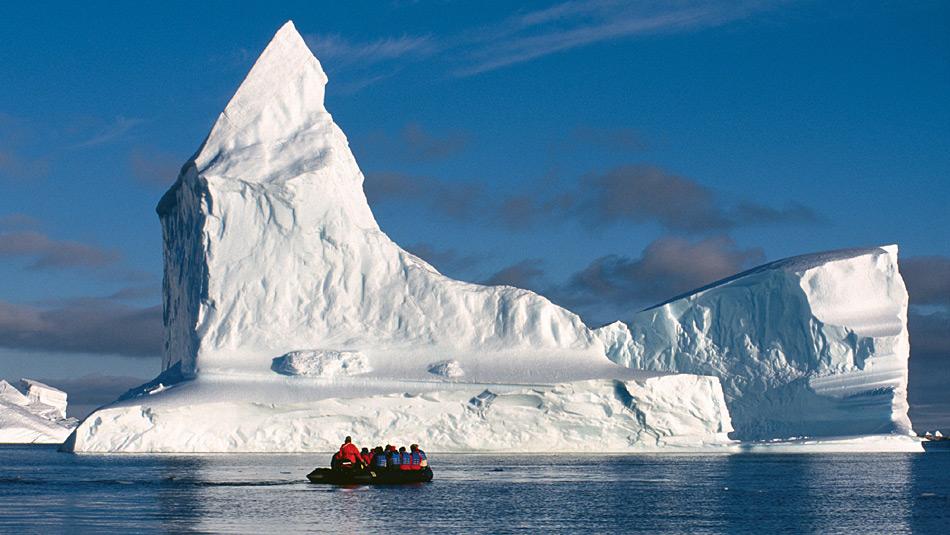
<point x="45" y="491"/>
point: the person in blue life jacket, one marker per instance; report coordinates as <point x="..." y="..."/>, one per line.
<point x="395" y="459"/>
<point x="405" y="459"/>
<point x="379" y="461"/>
<point x="418" y="457"/>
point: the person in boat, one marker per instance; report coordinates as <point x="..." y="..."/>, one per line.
<point x="365" y="456"/>
<point x="395" y="459"/>
<point x="348" y="457"/>
<point x="379" y="460"/>
<point x="418" y="457"/>
<point x="405" y="459"/>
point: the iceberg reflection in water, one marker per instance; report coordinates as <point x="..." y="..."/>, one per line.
<point x="42" y="490"/>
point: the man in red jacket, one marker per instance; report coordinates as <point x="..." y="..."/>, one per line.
<point x="349" y="454"/>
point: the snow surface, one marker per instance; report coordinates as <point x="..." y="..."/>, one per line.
<point x="35" y="413"/>
<point x="292" y="320"/>
<point x="812" y="346"/>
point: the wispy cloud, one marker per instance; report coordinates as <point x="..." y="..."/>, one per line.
<point x="568" y="25"/>
<point x="112" y="131"/>
<point x="367" y="62"/>
<point x="525" y="36"/>
<point x="340" y="52"/>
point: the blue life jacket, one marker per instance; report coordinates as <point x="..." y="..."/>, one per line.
<point x="394" y="458"/>
<point x="416" y="459"/>
<point x="379" y="460"/>
<point x="406" y="458"/>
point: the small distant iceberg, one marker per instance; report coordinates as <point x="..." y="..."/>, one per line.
<point x="34" y="413"/>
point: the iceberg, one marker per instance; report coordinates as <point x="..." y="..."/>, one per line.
<point x="33" y="414"/>
<point x="810" y="346"/>
<point x="292" y="320"/>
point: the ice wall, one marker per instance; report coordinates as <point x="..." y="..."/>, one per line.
<point x="814" y="345"/>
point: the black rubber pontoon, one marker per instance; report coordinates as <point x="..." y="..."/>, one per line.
<point x="372" y="477"/>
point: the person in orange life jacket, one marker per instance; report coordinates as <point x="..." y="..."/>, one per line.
<point x="349" y="455"/>
<point x="365" y="456"/>
<point x="395" y="460"/>
<point x="418" y="456"/>
<point x="405" y="459"/>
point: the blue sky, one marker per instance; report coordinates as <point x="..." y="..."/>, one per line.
<point x="494" y="139"/>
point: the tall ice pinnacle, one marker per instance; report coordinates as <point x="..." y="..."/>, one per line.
<point x="271" y="247"/>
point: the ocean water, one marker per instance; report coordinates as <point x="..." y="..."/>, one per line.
<point x="44" y="491"/>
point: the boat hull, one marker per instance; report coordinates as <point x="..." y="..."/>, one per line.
<point x="371" y="477"/>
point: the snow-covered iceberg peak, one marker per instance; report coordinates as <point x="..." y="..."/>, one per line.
<point x="814" y="345"/>
<point x="271" y="248"/>
<point x="280" y="100"/>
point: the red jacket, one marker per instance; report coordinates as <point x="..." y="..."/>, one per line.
<point x="367" y="458"/>
<point x="350" y="452"/>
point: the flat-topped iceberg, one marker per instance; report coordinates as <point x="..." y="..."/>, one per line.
<point x="35" y="413"/>
<point x="292" y="320"/>
<point x="811" y="346"/>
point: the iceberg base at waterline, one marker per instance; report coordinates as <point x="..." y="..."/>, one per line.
<point x="642" y="412"/>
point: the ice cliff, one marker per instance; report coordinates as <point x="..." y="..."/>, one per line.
<point x="292" y="320"/>
<point x="35" y="413"/>
<point x="813" y="346"/>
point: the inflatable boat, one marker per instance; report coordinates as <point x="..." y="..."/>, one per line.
<point x="371" y="477"/>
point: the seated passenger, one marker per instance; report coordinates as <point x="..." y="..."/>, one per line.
<point x="379" y="460"/>
<point x="419" y="460"/>
<point x="395" y="460"/>
<point x="405" y="459"/>
<point x="365" y="456"/>
<point x="348" y="457"/>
